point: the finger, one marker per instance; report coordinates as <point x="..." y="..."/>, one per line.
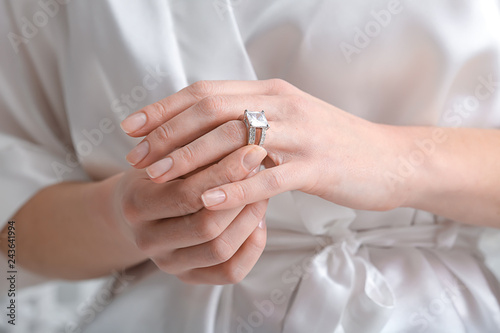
<point x="144" y="121"/>
<point x="193" y="123"/>
<point x="203" y="151"/>
<point x="235" y="269"/>
<point x="216" y="144"/>
<point x="263" y="185"/>
<point x="236" y="166"/>
<point x="183" y="197"/>
<point x="221" y="248"/>
<point x="213" y="146"/>
<point x="184" y="231"/>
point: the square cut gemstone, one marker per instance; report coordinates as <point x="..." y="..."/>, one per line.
<point x="257" y="119"/>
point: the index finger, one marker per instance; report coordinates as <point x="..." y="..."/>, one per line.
<point x="183" y="197"/>
<point x="142" y="122"/>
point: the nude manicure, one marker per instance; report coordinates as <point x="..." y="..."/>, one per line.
<point x="138" y="153"/>
<point x="160" y="168"/>
<point x="134" y="122"/>
<point x="214" y="197"/>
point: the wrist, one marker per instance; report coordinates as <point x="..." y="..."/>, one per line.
<point x="102" y="197"/>
<point x="418" y="165"/>
<point x="102" y="207"/>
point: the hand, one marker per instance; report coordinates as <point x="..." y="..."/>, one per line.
<point x="168" y="223"/>
<point x="312" y="146"/>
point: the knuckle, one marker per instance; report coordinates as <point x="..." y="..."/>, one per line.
<point x="233" y="272"/>
<point x="220" y="250"/>
<point x="130" y="211"/>
<point x="159" y="111"/>
<point x="278" y="86"/>
<point x="258" y="241"/>
<point x="295" y="100"/>
<point x="240" y="191"/>
<point x="212" y="106"/>
<point x="185" y="154"/>
<point x="234" y="131"/>
<point x="275" y="181"/>
<point x="257" y="211"/>
<point x="143" y="242"/>
<point x="201" y="89"/>
<point x="165" y="263"/>
<point x="184" y="207"/>
<point x="187" y="201"/>
<point x="206" y="230"/>
<point x="163" y="133"/>
<point x="297" y="104"/>
<point x="227" y="173"/>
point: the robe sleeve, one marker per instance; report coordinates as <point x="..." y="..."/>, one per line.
<point x="36" y="149"/>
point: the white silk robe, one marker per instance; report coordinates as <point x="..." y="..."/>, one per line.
<point x="69" y="73"/>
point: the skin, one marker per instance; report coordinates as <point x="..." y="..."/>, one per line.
<point x="85" y="230"/>
<point x="80" y="231"/>
<point x="319" y="149"/>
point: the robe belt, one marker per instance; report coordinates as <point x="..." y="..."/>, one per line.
<point x="343" y="291"/>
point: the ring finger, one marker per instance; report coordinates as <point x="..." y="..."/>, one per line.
<point x="196" y="121"/>
<point x="212" y="147"/>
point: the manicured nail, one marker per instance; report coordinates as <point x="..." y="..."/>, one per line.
<point x="262" y="223"/>
<point x="134" y="122"/>
<point x="253" y="158"/>
<point x="138" y="153"/>
<point x="160" y="168"/>
<point x="213" y="197"/>
<point x="253" y="172"/>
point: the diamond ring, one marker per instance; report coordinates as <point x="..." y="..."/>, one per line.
<point x="255" y="122"/>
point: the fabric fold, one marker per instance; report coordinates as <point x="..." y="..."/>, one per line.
<point x="343" y="291"/>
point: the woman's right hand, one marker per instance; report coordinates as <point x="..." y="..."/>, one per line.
<point x="169" y="224"/>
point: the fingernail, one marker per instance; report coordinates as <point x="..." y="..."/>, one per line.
<point x="253" y="172"/>
<point x="134" y="122"/>
<point x="160" y="168"/>
<point x="262" y="223"/>
<point x="213" y="197"/>
<point x="138" y="153"/>
<point x="253" y="158"/>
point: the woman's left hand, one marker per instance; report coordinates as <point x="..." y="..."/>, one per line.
<point x="312" y="146"/>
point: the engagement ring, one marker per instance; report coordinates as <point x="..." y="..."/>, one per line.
<point x="256" y="124"/>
